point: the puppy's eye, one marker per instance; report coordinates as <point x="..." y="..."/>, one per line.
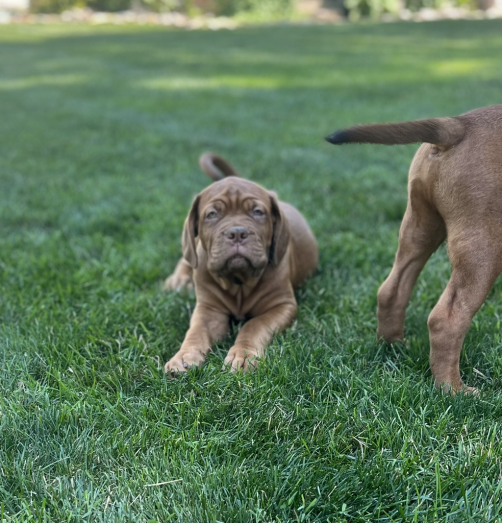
<point x="258" y="212"/>
<point x="211" y="215"/>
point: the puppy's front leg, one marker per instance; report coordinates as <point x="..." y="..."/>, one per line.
<point x="206" y="326"/>
<point x="256" y="335"/>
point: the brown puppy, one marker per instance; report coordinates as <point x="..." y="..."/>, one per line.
<point x="455" y="193"/>
<point x="245" y="251"/>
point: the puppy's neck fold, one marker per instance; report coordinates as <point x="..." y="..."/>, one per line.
<point x="237" y="284"/>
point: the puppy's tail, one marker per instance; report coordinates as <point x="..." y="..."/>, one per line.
<point x="443" y="132"/>
<point x="216" y="167"/>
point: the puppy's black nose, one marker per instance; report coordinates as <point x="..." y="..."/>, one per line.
<point x="237" y="234"/>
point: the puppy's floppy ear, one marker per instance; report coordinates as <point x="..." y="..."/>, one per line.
<point x="190" y="232"/>
<point x="280" y="236"/>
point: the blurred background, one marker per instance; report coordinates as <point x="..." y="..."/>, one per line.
<point x="197" y="13"/>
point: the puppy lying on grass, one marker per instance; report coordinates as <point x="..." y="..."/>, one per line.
<point x="455" y="193"/>
<point x="245" y="251"/>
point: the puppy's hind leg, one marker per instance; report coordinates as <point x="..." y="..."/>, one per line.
<point x="421" y="233"/>
<point x="476" y="263"/>
<point x="181" y="278"/>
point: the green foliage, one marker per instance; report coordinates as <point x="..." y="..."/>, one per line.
<point x="108" y="5"/>
<point x="372" y="8"/>
<point x="415" y="5"/>
<point x="51" y="6"/>
<point x="57" y="6"/>
<point x="262" y="8"/>
<point x="375" y="8"/>
<point x="258" y="7"/>
<point x="160" y="6"/>
<point x="101" y="131"/>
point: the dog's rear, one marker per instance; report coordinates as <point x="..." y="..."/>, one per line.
<point x="455" y="193"/>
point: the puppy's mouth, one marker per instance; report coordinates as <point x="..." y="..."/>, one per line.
<point x="238" y="268"/>
<point x="238" y="262"/>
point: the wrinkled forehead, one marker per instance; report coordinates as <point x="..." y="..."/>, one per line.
<point x="233" y="191"/>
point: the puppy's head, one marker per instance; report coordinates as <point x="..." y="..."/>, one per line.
<point x="239" y="225"/>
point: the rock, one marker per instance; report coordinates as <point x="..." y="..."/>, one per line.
<point x="427" y="14"/>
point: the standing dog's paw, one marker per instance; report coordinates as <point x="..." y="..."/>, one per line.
<point x="239" y="358"/>
<point x="182" y="361"/>
<point x="447" y="388"/>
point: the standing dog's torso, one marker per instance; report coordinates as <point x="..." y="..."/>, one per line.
<point x="455" y="193"/>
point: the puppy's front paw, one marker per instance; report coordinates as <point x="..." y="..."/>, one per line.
<point x="240" y="358"/>
<point x="178" y="282"/>
<point x="182" y="361"/>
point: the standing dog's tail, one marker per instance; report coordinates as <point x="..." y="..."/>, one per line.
<point x="443" y="132"/>
<point x="216" y="167"/>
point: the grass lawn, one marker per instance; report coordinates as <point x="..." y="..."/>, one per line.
<point x="100" y="131"/>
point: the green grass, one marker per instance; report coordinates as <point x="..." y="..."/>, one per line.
<point x="100" y="131"/>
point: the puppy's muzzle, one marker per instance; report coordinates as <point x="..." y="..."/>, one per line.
<point x="236" y="235"/>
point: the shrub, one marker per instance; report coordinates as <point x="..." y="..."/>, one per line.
<point x="50" y="6"/>
<point x="375" y="8"/>
<point x="233" y="7"/>
<point x="372" y="8"/>
<point x="109" y="5"/>
<point x="57" y="6"/>
<point x="218" y="7"/>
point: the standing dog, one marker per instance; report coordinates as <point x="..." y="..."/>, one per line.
<point x="245" y="252"/>
<point x="455" y="192"/>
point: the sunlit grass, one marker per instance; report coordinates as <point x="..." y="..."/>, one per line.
<point x="458" y="68"/>
<point x="42" y="80"/>
<point x="246" y="82"/>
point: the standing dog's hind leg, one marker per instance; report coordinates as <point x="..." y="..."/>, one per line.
<point x="476" y="264"/>
<point x="421" y="233"/>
